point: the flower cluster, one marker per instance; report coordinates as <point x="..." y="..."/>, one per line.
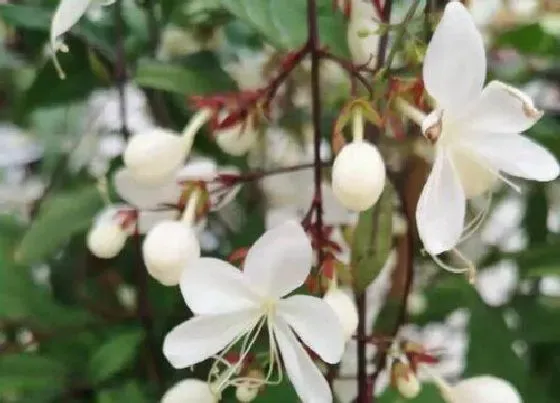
<point x="475" y="137"/>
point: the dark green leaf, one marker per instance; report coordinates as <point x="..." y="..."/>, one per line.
<point x="530" y="39"/>
<point x="201" y="75"/>
<point x="129" y="392"/>
<point x="284" y="22"/>
<point x="61" y="216"/>
<point x="115" y="355"/>
<point x="30" y="372"/>
<point x="372" y="240"/>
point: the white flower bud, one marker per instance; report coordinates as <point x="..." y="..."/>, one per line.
<point x="246" y="393"/>
<point x="106" y="239"/>
<point x="236" y="140"/>
<point x="189" y="391"/>
<point x="482" y="389"/>
<point x="154" y="156"/>
<point x="168" y="248"/>
<point x="408" y="385"/>
<point x="358" y="176"/>
<point x="344" y="309"/>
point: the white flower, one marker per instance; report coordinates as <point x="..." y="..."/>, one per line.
<point x="189" y="391"/>
<point x="476" y="131"/>
<point x="358" y="175"/>
<point x="67" y="14"/>
<point x="108" y="235"/>
<point x="246" y="393"/>
<point x="480" y="389"/>
<point x="106" y="239"/>
<point x="345" y="309"/>
<point x="171" y="246"/>
<point x="231" y="306"/>
<point x="238" y="139"/>
<point x="156" y="155"/>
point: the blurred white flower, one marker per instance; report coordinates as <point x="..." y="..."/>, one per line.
<point x="103" y="110"/>
<point x="363" y="36"/>
<point x="232" y="306"/>
<point x="178" y="42"/>
<point x="17" y="148"/>
<point x="190" y="391"/>
<point x="470" y="127"/>
<point x="496" y="283"/>
<point x="248" y="68"/>
<point x="480" y="389"/>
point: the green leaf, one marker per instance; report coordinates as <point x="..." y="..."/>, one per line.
<point x="30" y="372"/>
<point x="200" y="75"/>
<point x="61" y="216"/>
<point x="530" y="39"/>
<point x="114" y="355"/>
<point x="129" y="392"/>
<point x="372" y="240"/>
<point x="490" y="348"/>
<point x="283" y="23"/>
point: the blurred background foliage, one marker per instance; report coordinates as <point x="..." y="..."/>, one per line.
<point x="70" y="330"/>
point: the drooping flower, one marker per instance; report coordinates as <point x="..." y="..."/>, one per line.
<point x="232" y="306"/>
<point x="67" y="14"/>
<point x="157" y="154"/>
<point x="475" y="131"/>
<point x="480" y="389"/>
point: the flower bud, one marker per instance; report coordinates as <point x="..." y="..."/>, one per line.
<point x="106" y="239"/>
<point x="154" y="156"/>
<point x="168" y="248"/>
<point x="189" y="391"/>
<point x="344" y="309"/>
<point x="482" y="389"/>
<point x="358" y="176"/>
<point x="405" y="380"/>
<point x="238" y="139"/>
<point x="246" y="393"/>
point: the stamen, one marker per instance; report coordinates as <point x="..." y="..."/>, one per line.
<point x="477" y="221"/>
<point x="469" y="270"/>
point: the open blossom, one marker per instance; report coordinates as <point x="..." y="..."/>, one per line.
<point x="231" y="306"/>
<point x="475" y="131"/>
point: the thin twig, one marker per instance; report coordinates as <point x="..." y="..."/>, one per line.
<point x="315" y="51"/>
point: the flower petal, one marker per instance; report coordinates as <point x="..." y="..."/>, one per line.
<point x="502" y="109"/>
<point x="212" y="286"/>
<point x="455" y="63"/>
<point x="201" y="337"/>
<point x="441" y="209"/>
<point x="309" y="383"/>
<point x="515" y="155"/>
<point x="145" y="196"/>
<point x="316" y="324"/>
<point x="67" y="14"/>
<point x="280" y="260"/>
